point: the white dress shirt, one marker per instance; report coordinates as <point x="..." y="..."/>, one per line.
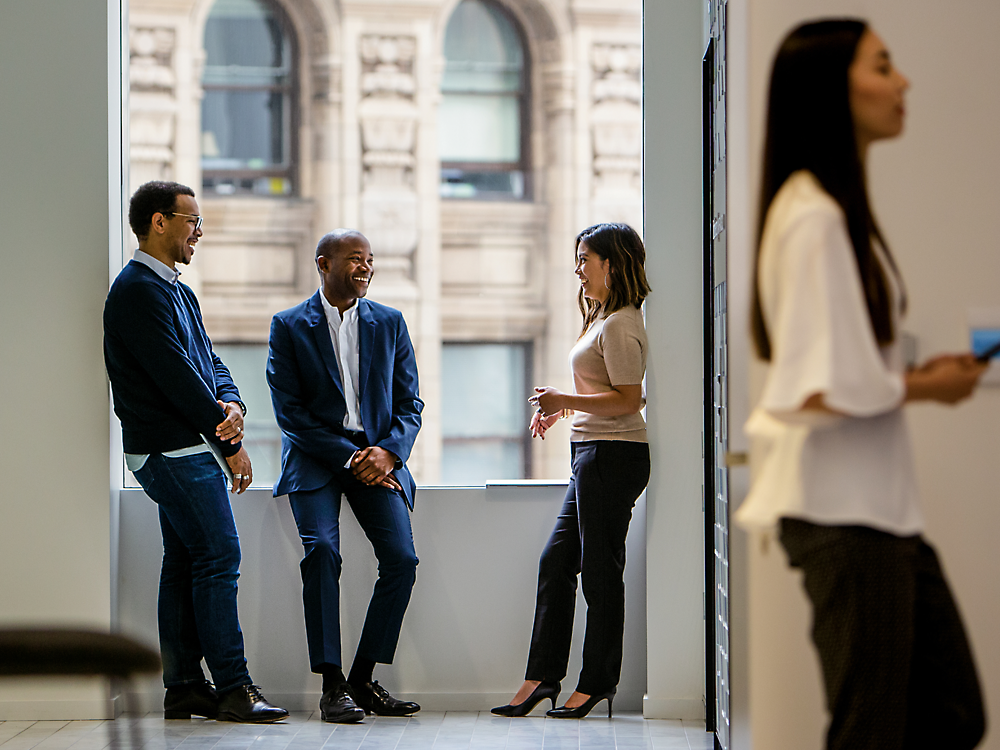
<point x="855" y="469"/>
<point x="344" y="336"/>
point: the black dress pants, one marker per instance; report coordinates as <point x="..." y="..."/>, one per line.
<point x="588" y="540"/>
<point x="897" y="666"/>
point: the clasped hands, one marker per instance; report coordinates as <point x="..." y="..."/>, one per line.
<point x="548" y="408"/>
<point x="373" y="466"/>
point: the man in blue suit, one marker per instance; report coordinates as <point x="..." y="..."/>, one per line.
<point x="343" y="381"/>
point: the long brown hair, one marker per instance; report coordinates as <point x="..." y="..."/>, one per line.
<point x="809" y="126"/>
<point x="621" y="246"/>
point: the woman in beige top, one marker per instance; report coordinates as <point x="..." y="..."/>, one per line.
<point x="610" y="469"/>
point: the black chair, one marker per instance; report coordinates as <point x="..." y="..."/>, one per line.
<point x="63" y="651"/>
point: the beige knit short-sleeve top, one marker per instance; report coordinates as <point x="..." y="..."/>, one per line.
<point x="612" y="352"/>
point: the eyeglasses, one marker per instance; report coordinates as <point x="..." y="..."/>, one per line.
<point x="197" y="219"/>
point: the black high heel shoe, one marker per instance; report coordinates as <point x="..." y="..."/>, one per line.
<point x="580" y="711"/>
<point x="544" y="690"/>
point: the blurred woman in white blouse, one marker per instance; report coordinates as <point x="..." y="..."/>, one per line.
<point x="610" y="469"/>
<point x="836" y="472"/>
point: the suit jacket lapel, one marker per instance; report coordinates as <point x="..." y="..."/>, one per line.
<point x="366" y="345"/>
<point x="321" y="333"/>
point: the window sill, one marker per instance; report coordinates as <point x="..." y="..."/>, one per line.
<point x="498" y="484"/>
<point x="516" y="487"/>
<point x="529" y="490"/>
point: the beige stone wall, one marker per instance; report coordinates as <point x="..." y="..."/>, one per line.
<point x="368" y="90"/>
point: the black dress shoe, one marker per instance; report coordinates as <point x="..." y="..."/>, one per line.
<point x="375" y="699"/>
<point x="544" y="690"/>
<point x="246" y="705"/>
<point x="338" y="706"/>
<point x="197" y="698"/>
<point x="564" y="712"/>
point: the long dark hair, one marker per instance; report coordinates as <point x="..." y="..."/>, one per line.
<point x="621" y="246"/>
<point x="809" y="126"/>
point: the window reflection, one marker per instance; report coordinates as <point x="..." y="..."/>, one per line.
<point x="248" y="365"/>
<point x="481" y="117"/>
<point x="246" y="112"/>
<point x="484" y="419"/>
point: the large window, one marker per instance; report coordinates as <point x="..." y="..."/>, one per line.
<point x="484" y="420"/>
<point x="247" y="364"/>
<point x="247" y="115"/>
<point x="482" y="125"/>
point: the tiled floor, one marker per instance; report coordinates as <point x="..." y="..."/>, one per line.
<point x="426" y="731"/>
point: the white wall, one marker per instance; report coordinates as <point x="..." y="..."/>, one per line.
<point x="57" y="121"/>
<point x="672" y="52"/>
<point x="934" y="192"/>
<point x="464" y="642"/>
<point x="738" y="224"/>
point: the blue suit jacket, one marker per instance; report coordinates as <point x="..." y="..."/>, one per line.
<point x="308" y="396"/>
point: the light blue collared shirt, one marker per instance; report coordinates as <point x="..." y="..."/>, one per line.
<point x="162" y="270"/>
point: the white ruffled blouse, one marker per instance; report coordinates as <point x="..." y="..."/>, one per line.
<point x="827" y="469"/>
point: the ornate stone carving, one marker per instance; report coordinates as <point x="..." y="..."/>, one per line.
<point x="388" y="114"/>
<point x="617" y="69"/>
<point x="387" y="65"/>
<point x="388" y="137"/>
<point x="153" y="83"/>
<point x="616" y="130"/>
<point x="150" y="59"/>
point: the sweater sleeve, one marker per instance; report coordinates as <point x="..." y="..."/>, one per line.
<point x="145" y="325"/>
<point x="225" y="387"/>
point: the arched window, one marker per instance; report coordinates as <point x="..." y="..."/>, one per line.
<point x="247" y="115"/>
<point x="483" y="120"/>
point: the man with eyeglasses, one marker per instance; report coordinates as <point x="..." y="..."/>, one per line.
<point x="182" y="427"/>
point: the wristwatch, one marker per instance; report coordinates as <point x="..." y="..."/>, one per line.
<point x="243" y="407"/>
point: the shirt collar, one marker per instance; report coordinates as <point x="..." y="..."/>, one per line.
<point x="161" y="269"/>
<point x="333" y="313"/>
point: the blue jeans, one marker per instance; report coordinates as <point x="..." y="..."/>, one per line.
<point x="385" y="519"/>
<point x="201" y="562"/>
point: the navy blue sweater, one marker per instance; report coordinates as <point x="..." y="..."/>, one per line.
<point x="165" y="378"/>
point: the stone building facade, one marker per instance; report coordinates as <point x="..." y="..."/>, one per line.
<point x="357" y="97"/>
